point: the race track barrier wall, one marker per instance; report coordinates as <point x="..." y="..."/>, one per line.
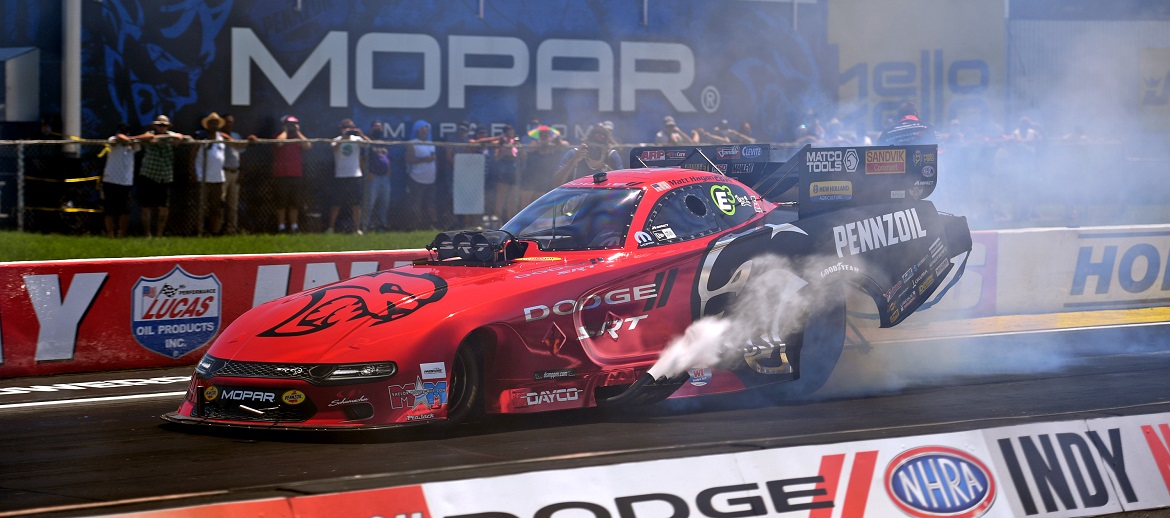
<point x="113" y="314"/>
<point x="91" y="315"/>
<point x="1071" y="468"/>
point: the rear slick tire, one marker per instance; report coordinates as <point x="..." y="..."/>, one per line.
<point x="819" y="346"/>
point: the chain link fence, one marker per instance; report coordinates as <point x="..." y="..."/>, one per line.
<point x="55" y="186"/>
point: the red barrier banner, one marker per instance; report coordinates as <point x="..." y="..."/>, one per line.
<point x="112" y="314"/>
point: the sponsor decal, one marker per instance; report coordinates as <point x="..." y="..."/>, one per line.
<point x="293" y="397"/>
<point x="545" y="397"/>
<point x="909" y="273"/>
<point x="676" y="155"/>
<point x="660" y="186"/>
<point x="724" y="199"/>
<point x="653" y="156"/>
<point x="253" y="396"/>
<point x="851" y="160"/>
<point x="917" y="157"/>
<point x="839" y="267"/>
<point x="831" y="191"/>
<point x="897" y="195"/>
<point x="874" y="233"/>
<point x="824" y="161"/>
<point x="727" y="152"/>
<point x="177" y="313"/>
<point x="210" y="393"/>
<point x="346" y="400"/>
<point x="926" y="284"/>
<point x="937" y="481"/>
<point x="612" y="325"/>
<point x="909" y="300"/>
<point x="433" y="371"/>
<point x="537" y="259"/>
<point x="916" y="192"/>
<point x="429" y="394"/>
<point x="742" y="168"/>
<point x="396" y="294"/>
<point x="892" y="291"/>
<point x="421" y="417"/>
<point x="752" y="151"/>
<point x="554" y="375"/>
<point x="928" y="171"/>
<point x="942" y="267"/>
<point x="936" y="248"/>
<point x="924" y="183"/>
<point x="655" y="294"/>
<point x="885" y="161"/>
<point x="894" y="312"/>
<point x="700" y="376"/>
<point x="643" y="238"/>
<point x="664" y="233"/>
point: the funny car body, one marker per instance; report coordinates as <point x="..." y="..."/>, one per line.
<point x="572" y="303"/>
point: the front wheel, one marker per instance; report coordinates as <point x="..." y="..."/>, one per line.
<point x="465" y="396"/>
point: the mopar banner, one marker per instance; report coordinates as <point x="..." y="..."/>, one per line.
<point x="568" y="63"/>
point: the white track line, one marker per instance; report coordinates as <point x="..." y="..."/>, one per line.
<point x="90" y="400"/>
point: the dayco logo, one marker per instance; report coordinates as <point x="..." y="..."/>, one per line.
<point x="552" y="396"/>
<point x="250" y="395"/>
<point x="873" y="233"/>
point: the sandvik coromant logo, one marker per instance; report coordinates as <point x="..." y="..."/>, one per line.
<point x="176" y="313"/>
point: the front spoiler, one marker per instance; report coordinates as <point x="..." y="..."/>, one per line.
<point x="177" y="418"/>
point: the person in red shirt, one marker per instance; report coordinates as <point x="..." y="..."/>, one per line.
<point x="286" y="168"/>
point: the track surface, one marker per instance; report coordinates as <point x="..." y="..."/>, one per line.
<point x="93" y="456"/>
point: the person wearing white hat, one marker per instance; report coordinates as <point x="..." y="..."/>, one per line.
<point x="157" y="173"/>
<point x="209" y="172"/>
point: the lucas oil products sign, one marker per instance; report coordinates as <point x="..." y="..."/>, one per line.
<point x="176" y="313"/>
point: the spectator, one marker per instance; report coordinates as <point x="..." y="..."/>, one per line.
<point x="420" y="161"/>
<point x="287" y="170"/>
<point x="743" y="135"/>
<point x="379" y="185"/>
<point x="717" y="135"/>
<point x="908" y="130"/>
<point x="508" y="155"/>
<point x="117" y="180"/>
<point x="594" y="155"/>
<point x="835" y="134"/>
<point x="347" y="174"/>
<point x="231" y="171"/>
<point x="157" y="174"/>
<point x="446" y="168"/>
<point x="543" y="158"/>
<point x="671" y="133"/>
<point x="209" y="172"/>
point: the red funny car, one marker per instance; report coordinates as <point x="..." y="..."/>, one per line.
<point x="674" y="279"/>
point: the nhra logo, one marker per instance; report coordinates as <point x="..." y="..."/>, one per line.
<point x="936" y="481"/>
<point x="177" y="313"/>
<point x="654" y="156"/>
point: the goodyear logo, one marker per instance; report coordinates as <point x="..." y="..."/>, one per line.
<point x="885" y="161"/>
<point x="831" y="191"/>
<point x="293" y="397"/>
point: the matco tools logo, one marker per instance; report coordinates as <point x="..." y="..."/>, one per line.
<point x="176" y="313"/>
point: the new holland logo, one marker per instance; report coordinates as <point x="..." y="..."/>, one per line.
<point x="177" y="313"/>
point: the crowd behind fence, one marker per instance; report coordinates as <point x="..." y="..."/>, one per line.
<point x="55" y="186"/>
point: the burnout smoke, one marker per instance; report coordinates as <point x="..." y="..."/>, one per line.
<point x="770" y="306"/>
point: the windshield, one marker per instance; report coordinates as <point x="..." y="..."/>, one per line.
<point x="577" y="218"/>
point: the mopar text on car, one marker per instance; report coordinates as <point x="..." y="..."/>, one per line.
<point x="704" y="270"/>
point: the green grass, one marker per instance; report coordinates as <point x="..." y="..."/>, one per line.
<point x="28" y="246"/>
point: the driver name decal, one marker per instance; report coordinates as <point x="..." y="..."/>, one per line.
<point x="873" y="233"/>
